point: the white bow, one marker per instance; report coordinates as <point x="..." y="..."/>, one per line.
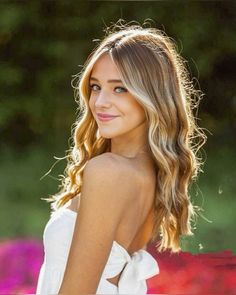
<point x="140" y="267"/>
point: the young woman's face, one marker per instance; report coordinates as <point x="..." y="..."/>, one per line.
<point x="111" y="98"/>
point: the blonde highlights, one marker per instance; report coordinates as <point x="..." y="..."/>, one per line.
<point x="156" y="75"/>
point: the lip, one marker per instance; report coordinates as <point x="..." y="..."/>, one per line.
<point x="104" y="119"/>
<point x="101" y="115"/>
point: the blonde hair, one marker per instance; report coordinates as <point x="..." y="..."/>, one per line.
<point x="155" y="74"/>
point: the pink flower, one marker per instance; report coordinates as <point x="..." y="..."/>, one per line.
<point x="181" y="273"/>
<point x="20" y="261"/>
<point x="187" y="273"/>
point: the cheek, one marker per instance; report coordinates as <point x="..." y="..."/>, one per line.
<point x="140" y="115"/>
<point x="134" y="116"/>
<point x="137" y="110"/>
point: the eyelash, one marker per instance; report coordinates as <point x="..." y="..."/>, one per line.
<point x="91" y="87"/>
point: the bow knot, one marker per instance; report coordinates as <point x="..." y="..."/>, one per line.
<point x="140" y="267"/>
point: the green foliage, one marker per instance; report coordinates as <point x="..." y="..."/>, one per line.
<point x="215" y="194"/>
<point x="23" y="186"/>
<point x="44" y="43"/>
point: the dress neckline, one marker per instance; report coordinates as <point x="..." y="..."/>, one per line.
<point x="74" y="213"/>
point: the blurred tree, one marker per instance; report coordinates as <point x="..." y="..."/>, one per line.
<point x="44" y="42"/>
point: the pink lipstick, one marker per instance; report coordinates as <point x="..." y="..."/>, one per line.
<point x="105" y="117"/>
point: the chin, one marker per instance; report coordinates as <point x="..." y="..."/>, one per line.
<point x="109" y="133"/>
<point x="106" y="136"/>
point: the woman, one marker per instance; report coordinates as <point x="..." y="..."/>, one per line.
<point x="129" y="168"/>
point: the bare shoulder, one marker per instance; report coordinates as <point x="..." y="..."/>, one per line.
<point x="115" y="164"/>
<point x="108" y="159"/>
<point x="112" y="172"/>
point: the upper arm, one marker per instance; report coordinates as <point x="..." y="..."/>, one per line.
<point x="105" y="194"/>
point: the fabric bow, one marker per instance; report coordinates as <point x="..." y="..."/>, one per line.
<point x="140" y="267"/>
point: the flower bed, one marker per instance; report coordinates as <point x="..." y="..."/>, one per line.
<point x="182" y="273"/>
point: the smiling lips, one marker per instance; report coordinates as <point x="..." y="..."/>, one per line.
<point x="105" y="117"/>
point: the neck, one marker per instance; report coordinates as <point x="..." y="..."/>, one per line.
<point x="131" y="147"/>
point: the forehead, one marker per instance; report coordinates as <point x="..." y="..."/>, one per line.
<point x="105" y="67"/>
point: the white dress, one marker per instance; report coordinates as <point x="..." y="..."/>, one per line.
<point x="57" y="237"/>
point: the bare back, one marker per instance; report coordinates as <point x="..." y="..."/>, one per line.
<point x="135" y="230"/>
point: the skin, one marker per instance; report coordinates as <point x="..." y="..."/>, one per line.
<point x="112" y="209"/>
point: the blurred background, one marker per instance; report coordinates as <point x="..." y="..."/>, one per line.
<point x="44" y="43"/>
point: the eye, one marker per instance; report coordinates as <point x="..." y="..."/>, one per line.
<point x="95" y="87"/>
<point x="123" y="89"/>
<point x="91" y="86"/>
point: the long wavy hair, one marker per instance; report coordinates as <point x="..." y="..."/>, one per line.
<point x="155" y="74"/>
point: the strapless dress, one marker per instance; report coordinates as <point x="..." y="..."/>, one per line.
<point x="57" y="237"/>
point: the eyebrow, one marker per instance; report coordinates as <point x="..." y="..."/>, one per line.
<point x="109" y="81"/>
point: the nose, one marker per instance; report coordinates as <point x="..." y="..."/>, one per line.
<point x="102" y="100"/>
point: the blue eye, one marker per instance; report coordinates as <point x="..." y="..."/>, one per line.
<point x="124" y="90"/>
<point x="91" y="86"/>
